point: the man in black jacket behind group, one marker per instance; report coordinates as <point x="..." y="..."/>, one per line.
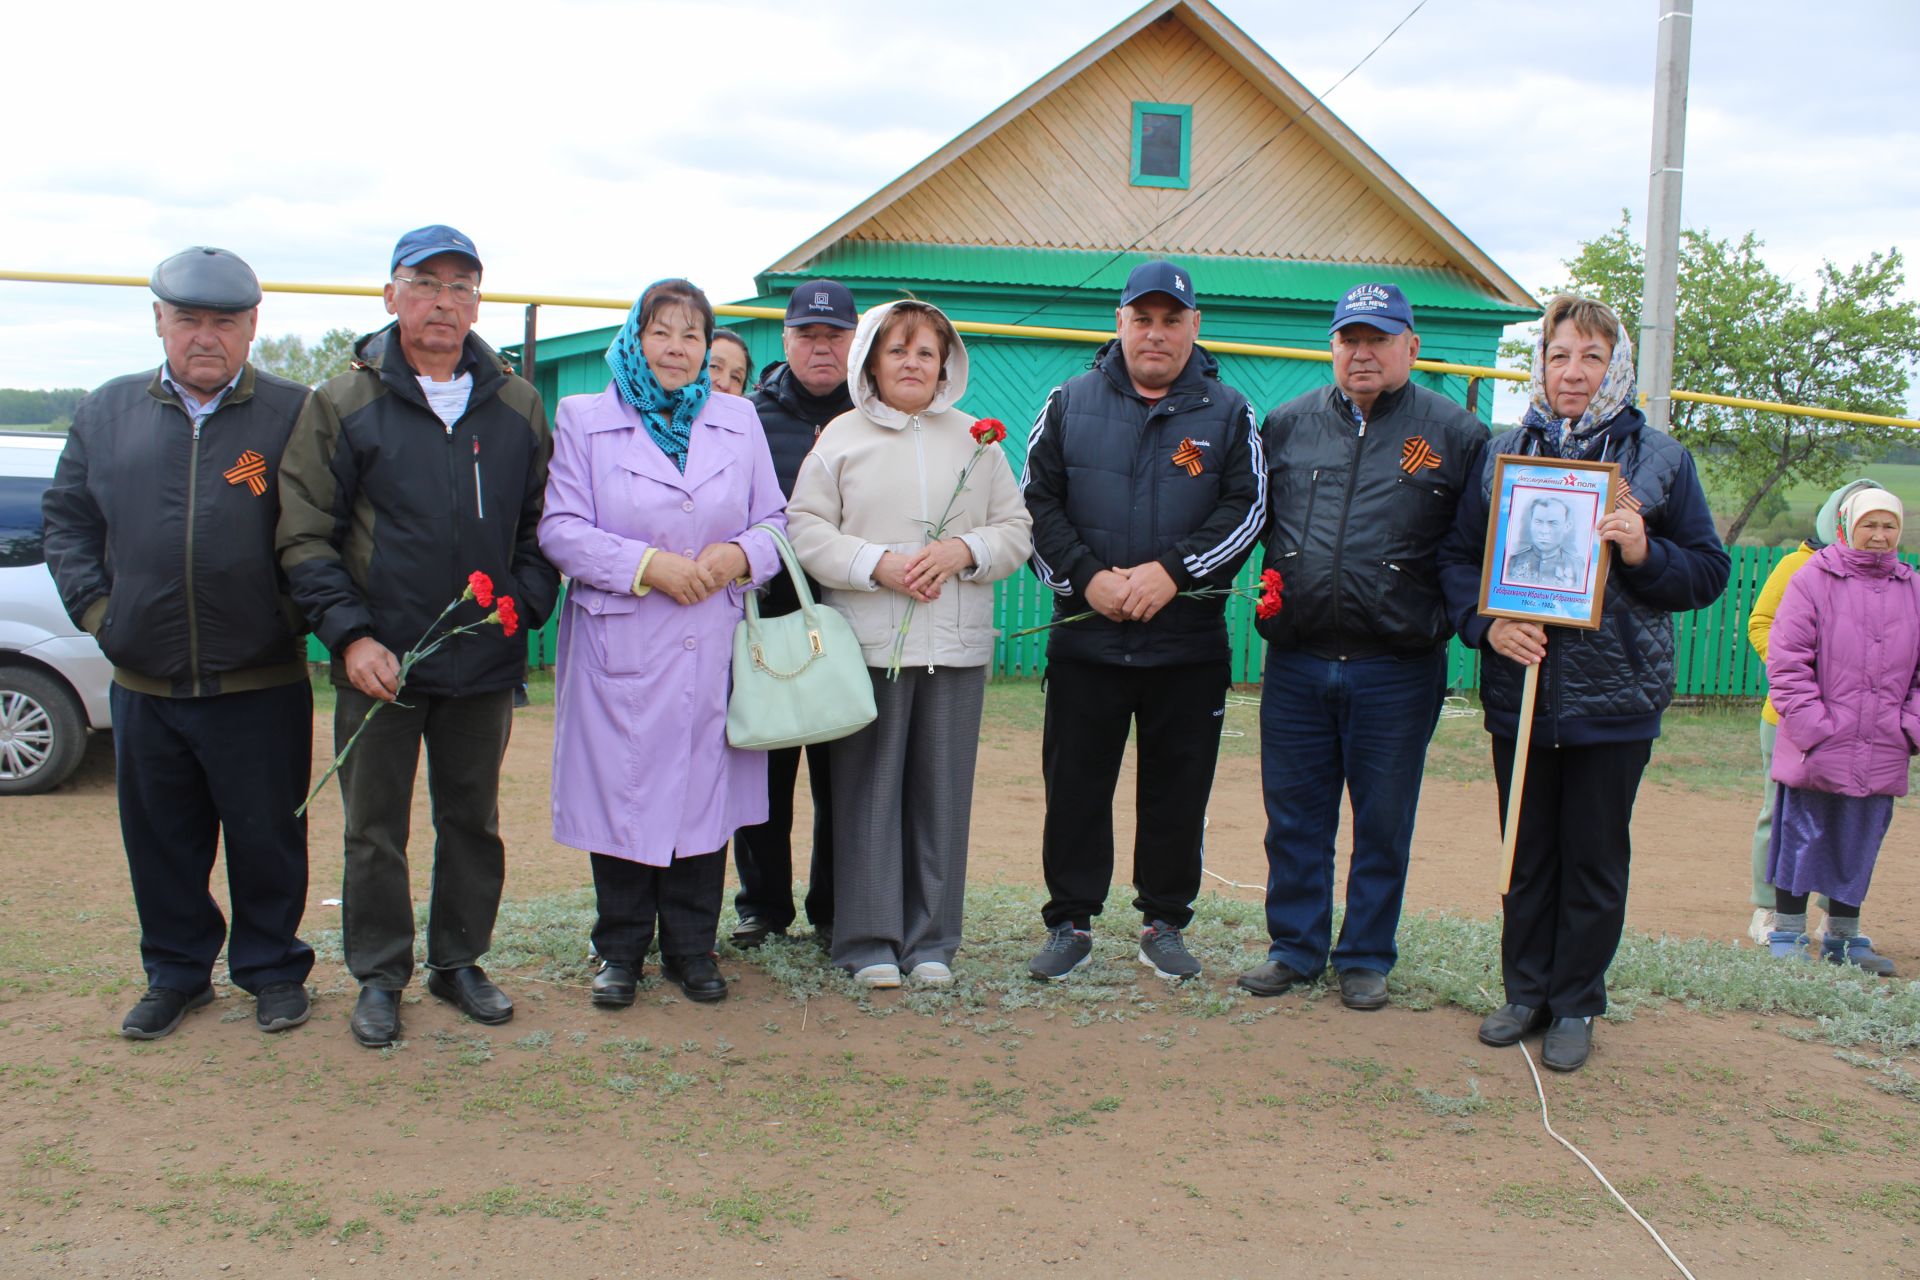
<point x="1145" y="479"/>
<point x="796" y="398"/>
<point x="1366" y="475"/>
<point x="159" y="532"/>
<point x="424" y="462"/>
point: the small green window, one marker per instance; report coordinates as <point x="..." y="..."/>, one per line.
<point x="1162" y="144"/>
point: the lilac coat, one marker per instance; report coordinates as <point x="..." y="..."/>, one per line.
<point x="641" y="765"/>
<point x="1844" y="663"/>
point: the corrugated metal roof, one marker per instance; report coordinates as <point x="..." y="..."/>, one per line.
<point x="1105" y="273"/>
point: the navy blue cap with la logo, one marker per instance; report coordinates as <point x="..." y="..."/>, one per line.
<point x="822" y="302"/>
<point x="1381" y="306"/>
<point x="1159" y="277"/>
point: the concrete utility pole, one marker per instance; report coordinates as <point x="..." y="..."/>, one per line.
<point x="1658" y="303"/>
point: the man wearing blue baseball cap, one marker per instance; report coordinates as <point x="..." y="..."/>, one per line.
<point x="1365" y="474"/>
<point x="1145" y="480"/>
<point x="424" y="462"/>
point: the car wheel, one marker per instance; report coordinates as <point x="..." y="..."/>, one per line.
<point x="42" y="733"/>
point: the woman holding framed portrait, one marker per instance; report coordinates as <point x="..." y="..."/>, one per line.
<point x="1606" y="566"/>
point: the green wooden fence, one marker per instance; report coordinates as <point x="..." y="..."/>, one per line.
<point x="1713" y="656"/>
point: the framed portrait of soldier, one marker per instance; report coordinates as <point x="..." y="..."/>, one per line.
<point x="1545" y="561"/>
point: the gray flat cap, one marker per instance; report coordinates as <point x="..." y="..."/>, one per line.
<point x="206" y="280"/>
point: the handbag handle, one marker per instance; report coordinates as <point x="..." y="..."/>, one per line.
<point x="807" y="607"/>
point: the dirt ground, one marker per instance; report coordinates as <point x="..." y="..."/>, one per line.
<point x="1206" y="1133"/>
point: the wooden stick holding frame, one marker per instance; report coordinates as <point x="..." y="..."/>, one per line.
<point x="1545" y="564"/>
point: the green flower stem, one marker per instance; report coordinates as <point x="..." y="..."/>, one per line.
<point x="936" y="533"/>
<point x="1198" y="593"/>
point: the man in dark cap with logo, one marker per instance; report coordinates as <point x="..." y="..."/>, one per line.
<point x="159" y="532"/>
<point x="796" y="398"/>
<point x="1365" y="476"/>
<point x="1145" y="480"/>
<point x="426" y="461"/>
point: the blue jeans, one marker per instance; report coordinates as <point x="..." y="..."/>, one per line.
<point x="1363" y="723"/>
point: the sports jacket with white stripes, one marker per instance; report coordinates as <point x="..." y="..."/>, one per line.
<point x="1115" y="480"/>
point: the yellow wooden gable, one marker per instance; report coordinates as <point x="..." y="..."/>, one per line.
<point x="1269" y="177"/>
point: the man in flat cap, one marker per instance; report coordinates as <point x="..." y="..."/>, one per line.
<point x="426" y="461"/>
<point x="159" y="532"/>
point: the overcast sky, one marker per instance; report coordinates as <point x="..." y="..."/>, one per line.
<point x="589" y="148"/>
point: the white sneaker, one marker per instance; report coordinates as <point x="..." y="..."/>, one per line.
<point x="933" y="973"/>
<point x="878" y="975"/>
<point x="1760" y="927"/>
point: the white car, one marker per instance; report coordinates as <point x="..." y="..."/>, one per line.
<point x="53" y="677"/>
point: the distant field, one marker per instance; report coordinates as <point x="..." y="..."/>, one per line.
<point x="1803" y="500"/>
<point x="34" y="426"/>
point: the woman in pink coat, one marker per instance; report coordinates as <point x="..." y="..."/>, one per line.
<point x="655" y="486"/>
<point x="1844" y="666"/>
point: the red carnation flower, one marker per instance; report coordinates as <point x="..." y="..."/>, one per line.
<point x="1269" y="603"/>
<point x="507" y="614"/>
<point x="480" y="588"/>
<point x="988" y="431"/>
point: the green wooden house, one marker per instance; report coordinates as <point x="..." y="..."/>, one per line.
<point x="1172" y="135"/>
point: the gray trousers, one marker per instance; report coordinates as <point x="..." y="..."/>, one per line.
<point x="902" y="798"/>
<point x="466" y="740"/>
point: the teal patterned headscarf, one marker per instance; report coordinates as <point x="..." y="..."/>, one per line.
<point x="669" y="415"/>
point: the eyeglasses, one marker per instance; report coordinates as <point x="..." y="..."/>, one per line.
<point x="430" y="287"/>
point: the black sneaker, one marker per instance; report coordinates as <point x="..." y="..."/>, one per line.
<point x="1066" y="949"/>
<point x="281" y="1006"/>
<point x="160" y="1011"/>
<point x="1162" y="948"/>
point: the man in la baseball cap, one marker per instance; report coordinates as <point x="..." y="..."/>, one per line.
<point x="1400" y="456"/>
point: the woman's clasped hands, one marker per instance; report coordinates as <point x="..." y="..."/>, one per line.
<point x="689" y="581"/>
<point x="921" y="575"/>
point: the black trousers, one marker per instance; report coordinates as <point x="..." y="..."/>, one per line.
<point x="763" y="854"/>
<point x="1090" y="706"/>
<point x="683" y="896"/>
<point x="466" y="739"/>
<point x="196" y="772"/>
<point x="1568" y="901"/>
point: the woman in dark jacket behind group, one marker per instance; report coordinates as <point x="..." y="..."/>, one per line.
<point x="1601" y="692"/>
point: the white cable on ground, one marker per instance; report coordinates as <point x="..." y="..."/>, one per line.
<point x="1235" y="883"/>
<point x="1594" y="1169"/>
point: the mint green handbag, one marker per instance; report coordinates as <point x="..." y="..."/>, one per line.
<point x="799" y="678"/>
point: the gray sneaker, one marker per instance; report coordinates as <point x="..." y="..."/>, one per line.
<point x="1162" y="948"/>
<point x="1066" y="949"/>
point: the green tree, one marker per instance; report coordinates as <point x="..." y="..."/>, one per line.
<point x="291" y="357"/>
<point x="1744" y="331"/>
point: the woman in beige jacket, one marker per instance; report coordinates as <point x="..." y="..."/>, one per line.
<point x="864" y="508"/>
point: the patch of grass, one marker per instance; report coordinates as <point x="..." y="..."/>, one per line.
<point x="754" y="1211"/>
<point x="520" y="1202"/>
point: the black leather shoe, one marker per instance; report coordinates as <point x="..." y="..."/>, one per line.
<point x="376" y="1017"/>
<point x="469" y="990"/>
<point x="1271" y="979"/>
<point x="751" y="932"/>
<point x="1363" y="989"/>
<point x="1568" y="1042"/>
<point x="160" y="1011"/>
<point x="614" y="984"/>
<point x="1506" y="1025"/>
<point x="698" y="976"/>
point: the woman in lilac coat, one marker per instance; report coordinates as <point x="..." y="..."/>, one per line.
<point x="655" y="487"/>
<point x="1844" y="666"/>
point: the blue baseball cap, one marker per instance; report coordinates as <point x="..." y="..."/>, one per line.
<point x="1159" y="277"/>
<point x="422" y="243"/>
<point x="1381" y="306"/>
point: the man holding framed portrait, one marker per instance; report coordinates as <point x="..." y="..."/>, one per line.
<point x="1637" y="544"/>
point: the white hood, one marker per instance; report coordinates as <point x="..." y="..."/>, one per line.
<point x="953" y="374"/>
